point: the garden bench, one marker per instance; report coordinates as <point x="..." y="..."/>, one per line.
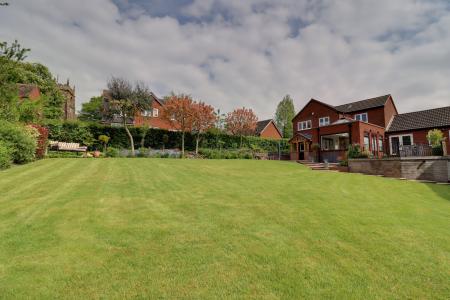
<point x="62" y="146"/>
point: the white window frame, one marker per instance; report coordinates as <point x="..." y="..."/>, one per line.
<point x="155" y="112"/>
<point x="361" y="118"/>
<point x="303" y="125"/>
<point x="400" y="140"/>
<point x="324" y="121"/>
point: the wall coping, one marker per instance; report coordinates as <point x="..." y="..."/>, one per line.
<point x="412" y="158"/>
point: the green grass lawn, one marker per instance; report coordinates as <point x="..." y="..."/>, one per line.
<point x="155" y="228"/>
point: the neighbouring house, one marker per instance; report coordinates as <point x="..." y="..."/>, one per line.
<point x="268" y="129"/>
<point x="412" y="128"/>
<point x="32" y="92"/>
<point x="322" y="132"/>
<point x="152" y="118"/>
<point x="28" y="91"/>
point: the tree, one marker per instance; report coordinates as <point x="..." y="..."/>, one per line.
<point x="13" y="71"/>
<point x="203" y="119"/>
<point x="241" y="122"/>
<point x="91" y="111"/>
<point x="178" y="111"/>
<point x="127" y="101"/>
<point x="284" y="115"/>
<point x="435" y="137"/>
<point x="13" y="52"/>
<point x="104" y="139"/>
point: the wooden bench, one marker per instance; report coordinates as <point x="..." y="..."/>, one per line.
<point x="62" y="146"/>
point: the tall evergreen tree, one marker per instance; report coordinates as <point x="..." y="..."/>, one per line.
<point x="284" y="115"/>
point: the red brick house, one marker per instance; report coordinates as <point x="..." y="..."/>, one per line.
<point x="323" y="132"/>
<point x="152" y="118"/>
<point x="268" y="129"/>
<point x="28" y="91"/>
<point x="412" y="128"/>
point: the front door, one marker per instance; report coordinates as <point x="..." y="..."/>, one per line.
<point x="395" y="144"/>
<point x="301" y="151"/>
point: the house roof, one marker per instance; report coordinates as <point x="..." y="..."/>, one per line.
<point x="430" y="118"/>
<point x="307" y="136"/>
<point x="363" y="104"/>
<point x="261" y="125"/>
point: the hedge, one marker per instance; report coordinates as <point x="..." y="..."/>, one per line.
<point x="88" y="133"/>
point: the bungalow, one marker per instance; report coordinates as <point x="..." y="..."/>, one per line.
<point x="268" y="129"/>
<point x="152" y="118"/>
<point x="323" y="132"/>
<point x="412" y="128"/>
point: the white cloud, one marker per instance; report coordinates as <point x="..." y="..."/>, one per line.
<point x="246" y="53"/>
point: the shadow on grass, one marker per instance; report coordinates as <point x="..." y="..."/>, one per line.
<point x="441" y="190"/>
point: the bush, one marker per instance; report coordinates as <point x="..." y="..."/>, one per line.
<point x="112" y="152"/>
<point x="5" y="156"/>
<point x="42" y="140"/>
<point x="20" y="140"/>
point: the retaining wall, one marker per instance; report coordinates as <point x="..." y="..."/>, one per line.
<point x="432" y="168"/>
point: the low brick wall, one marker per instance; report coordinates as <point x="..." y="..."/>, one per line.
<point x="422" y="168"/>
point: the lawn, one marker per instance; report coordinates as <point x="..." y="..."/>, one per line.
<point x="165" y="228"/>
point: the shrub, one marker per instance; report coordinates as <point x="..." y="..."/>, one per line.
<point x="5" y="156"/>
<point x="112" y="152"/>
<point x="354" y="151"/>
<point x="435" y="137"/>
<point x="42" y="140"/>
<point x="20" y="140"/>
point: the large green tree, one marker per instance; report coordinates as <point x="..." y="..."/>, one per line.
<point x="127" y="101"/>
<point x="91" y="111"/>
<point x="284" y="115"/>
<point x="13" y="70"/>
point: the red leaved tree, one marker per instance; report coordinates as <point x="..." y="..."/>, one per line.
<point x="203" y="119"/>
<point x="178" y="110"/>
<point x="241" y="122"/>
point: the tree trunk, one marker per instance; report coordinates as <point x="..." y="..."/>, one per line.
<point x="240" y="146"/>
<point x="182" y="145"/>
<point x="196" y="143"/>
<point x="130" y="137"/>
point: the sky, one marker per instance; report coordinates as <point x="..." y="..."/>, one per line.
<point x="233" y="53"/>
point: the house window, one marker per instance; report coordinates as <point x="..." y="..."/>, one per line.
<point x="366" y="141"/>
<point x="362" y="117"/>
<point x="324" y="121"/>
<point x="303" y="125"/>
<point x="380" y="143"/>
<point x="155" y="112"/>
<point x="146" y="113"/>
<point x="374" y="143"/>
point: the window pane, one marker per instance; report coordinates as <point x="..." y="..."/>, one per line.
<point x="406" y="140"/>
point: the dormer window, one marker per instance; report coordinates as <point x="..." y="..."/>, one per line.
<point x="303" y="125"/>
<point x="361" y="117"/>
<point x="324" y="121"/>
